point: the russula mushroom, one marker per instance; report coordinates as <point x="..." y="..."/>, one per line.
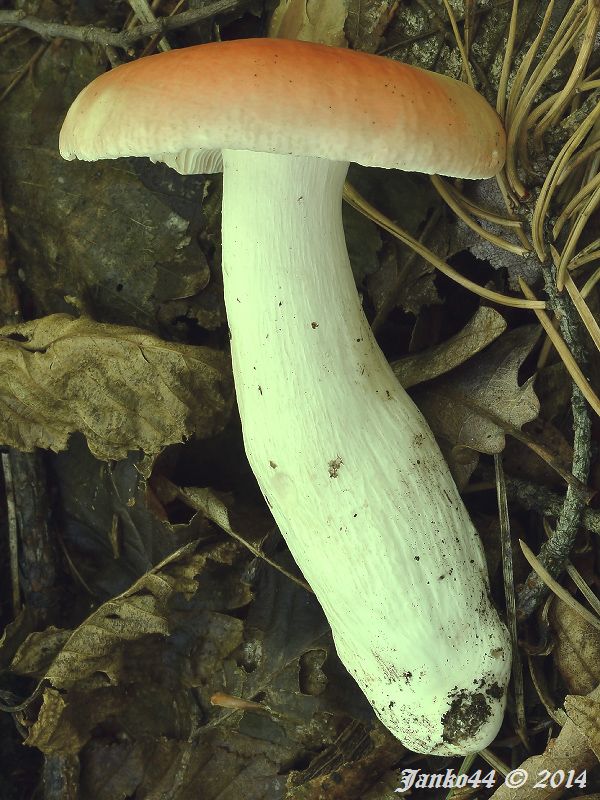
<point x="349" y="467"/>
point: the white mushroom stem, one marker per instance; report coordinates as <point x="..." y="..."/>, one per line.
<point x="349" y="467"/>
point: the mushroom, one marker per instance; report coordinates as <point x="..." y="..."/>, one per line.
<point x="349" y="467"/>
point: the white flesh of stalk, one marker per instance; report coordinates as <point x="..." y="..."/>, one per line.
<point x="349" y="467"/>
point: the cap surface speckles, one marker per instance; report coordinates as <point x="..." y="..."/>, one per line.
<point x="282" y="96"/>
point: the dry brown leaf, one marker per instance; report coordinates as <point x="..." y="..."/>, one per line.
<point x="576" y="651"/>
<point x="39" y="650"/>
<point x="589" y="797"/>
<point x="346" y="769"/>
<point x="457" y="406"/>
<point x="89" y="650"/>
<point x="310" y="21"/>
<point x="123" y="388"/>
<point x="521" y="461"/>
<point x="397" y="281"/>
<point x="219" y="508"/>
<point x="52" y="709"/>
<point x="585" y="714"/>
<point x="14" y="635"/>
<point x="367" y="21"/>
<point x="569" y="751"/>
<point x="86" y="670"/>
<point x="480" y="331"/>
<point x="554" y="388"/>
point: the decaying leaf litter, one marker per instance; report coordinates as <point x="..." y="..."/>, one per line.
<point x="110" y="692"/>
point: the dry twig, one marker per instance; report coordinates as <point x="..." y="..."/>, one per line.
<point x="124" y="39"/>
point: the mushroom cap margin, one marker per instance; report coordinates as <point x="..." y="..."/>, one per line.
<point x="289" y="97"/>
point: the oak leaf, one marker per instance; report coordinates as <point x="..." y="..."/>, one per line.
<point x="123" y="388"/>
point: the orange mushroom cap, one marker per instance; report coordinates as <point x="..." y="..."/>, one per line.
<point x="282" y="96"/>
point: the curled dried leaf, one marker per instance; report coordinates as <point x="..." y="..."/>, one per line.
<point x="585" y="714"/>
<point x="468" y="407"/>
<point x="569" y="751"/>
<point x="480" y="331"/>
<point x="123" y="388"/>
<point x="576" y="650"/>
<point x="310" y="21"/>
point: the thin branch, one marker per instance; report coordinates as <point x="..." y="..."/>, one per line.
<point x="558" y="590"/>
<point x="534" y="497"/>
<point x="577" y="578"/>
<point x="144" y="13"/>
<point x="107" y="38"/>
<point x="554" y="553"/>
